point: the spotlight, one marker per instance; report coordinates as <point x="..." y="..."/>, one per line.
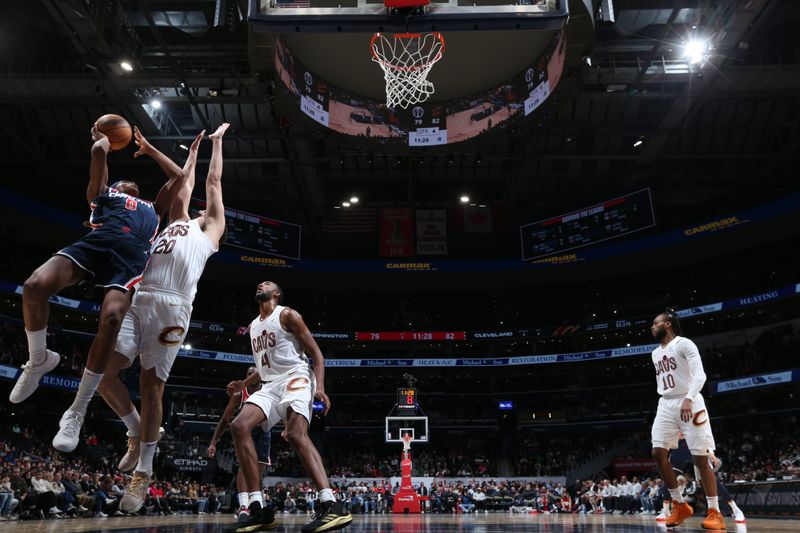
<point x="465" y="199"/>
<point x="694" y="50"/>
<point x="187" y="346"/>
<point x="345" y="204"/>
<point x="354" y="199"/>
<point x="127" y="67"/>
<point x="637" y="143"/>
<point x="155" y="103"/>
<point x="183" y="147"/>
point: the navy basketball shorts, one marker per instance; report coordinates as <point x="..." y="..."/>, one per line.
<point x="262" y="441"/>
<point x="113" y="259"/>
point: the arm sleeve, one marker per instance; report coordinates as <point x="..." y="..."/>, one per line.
<point x="692" y="355"/>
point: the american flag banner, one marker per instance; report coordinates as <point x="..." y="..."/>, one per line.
<point x="291" y="3"/>
<point x="350" y="220"/>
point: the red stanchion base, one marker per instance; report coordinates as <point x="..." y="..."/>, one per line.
<point x="406" y="501"/>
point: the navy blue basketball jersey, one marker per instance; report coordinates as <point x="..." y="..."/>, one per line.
<point x="116" y="211"/>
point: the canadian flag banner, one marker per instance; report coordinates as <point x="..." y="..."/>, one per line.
<point x="477" y="219"/>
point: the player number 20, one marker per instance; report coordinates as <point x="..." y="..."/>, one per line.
<point x="164" y="246"/>
<point x="668" y="381"/>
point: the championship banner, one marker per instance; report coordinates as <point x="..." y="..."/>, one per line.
<point x="396" y="232"/>
<point x="431" y="232"/>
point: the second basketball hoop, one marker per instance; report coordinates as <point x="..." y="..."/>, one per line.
<point x="406" y="60"/>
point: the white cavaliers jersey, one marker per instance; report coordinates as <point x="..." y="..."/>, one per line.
<point x="276" y="351"/>
<point x="177" y="258"/>
<point x="673" y="363"/>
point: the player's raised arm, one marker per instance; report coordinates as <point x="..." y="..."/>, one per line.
<point x="98" y="168"/>
<point x="173" y="172"/>
<point x="179" y="209"/>
<point x="233" y="402"/>
<point x="294" y="323"/>
<point x="214" y="224"/>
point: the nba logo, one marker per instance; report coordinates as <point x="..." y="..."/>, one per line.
<point x="308" y="78"/>
<point x="417" y="112"/>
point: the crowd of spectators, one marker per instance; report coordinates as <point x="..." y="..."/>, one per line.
<point x="762" y="450"/>
<point x="36" y="483"/>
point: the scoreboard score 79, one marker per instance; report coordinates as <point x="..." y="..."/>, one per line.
<point x="407" y="398"/>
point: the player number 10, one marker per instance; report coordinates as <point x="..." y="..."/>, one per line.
<point x="668" y="382"/>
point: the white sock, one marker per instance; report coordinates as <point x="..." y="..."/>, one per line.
<point x="88" y="387"/>
<point x="677" y="497"/>
<point x="733" y="506"/>
<point x="37" y="345"/>
<point x="326" y="495"/>
<point x="244" y="499"/>
<point x="132" y="422"/>
<point x="713" y="502"/>
<point x="146" y="453"/>
<point x="255" y="497"/>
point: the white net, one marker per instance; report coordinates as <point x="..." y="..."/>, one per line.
<point x="406" y="60"/>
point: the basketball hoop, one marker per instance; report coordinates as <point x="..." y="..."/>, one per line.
<point x="406" y="60"/>
<point x="407" y="439"/>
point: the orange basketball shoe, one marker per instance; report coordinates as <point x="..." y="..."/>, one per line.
<point x="680" y="512"/>
<point x="714" y="520"/>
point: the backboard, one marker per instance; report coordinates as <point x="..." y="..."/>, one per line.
<point x="334" y="16"/>
<point x="397" y="426"/>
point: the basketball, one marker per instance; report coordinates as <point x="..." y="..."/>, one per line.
<point x="117" y="129"/>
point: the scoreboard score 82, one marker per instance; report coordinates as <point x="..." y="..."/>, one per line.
<point x="407" y="399"/>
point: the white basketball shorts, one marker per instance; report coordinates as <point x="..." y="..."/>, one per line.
<point x="295" y="390"/>
<point x="154" y="329"/>
<point x="668" y="426"/>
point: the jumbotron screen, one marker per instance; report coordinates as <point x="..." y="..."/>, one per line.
<point x="607" y="220"/>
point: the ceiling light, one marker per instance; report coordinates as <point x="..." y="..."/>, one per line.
<point x="155" y="103"/>
<point x="465" y="199"/>
<point x="354" y="199"/>
<point x="127" y="67"/>
<point x="183" y="147"/>
<point x="694" y="50"/>
<point x="187" y="346"/>
<point x="637" y="143"/>
<point x="345" y="204"/>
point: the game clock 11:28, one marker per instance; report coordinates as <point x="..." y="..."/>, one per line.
<point x="407" y="399"/>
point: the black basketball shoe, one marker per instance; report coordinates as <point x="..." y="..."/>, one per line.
<point x="268" y="519"/>
<point x="330" y="517"/>
<point x="248" y="522"/>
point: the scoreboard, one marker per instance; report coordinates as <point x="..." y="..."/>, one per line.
<point x="608" y="220"/>
<point x="407" y="399"/>
<point x="410" y="335"/>
<point x="428" y="126"/>
<point x="259" y="234"/>
<point x="314" y="98"/>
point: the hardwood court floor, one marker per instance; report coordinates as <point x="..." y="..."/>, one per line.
<point x="472" y="523"/>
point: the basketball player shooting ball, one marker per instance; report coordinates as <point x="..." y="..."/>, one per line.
<point x="262" y="440"/>
<point x="681" y="409"/>
<point x="158" y="321"/>
<point x="113" y="255"/>
<point x="279" y="339"/>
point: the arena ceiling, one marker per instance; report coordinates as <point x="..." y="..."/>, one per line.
<point x="715" y="138"/>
